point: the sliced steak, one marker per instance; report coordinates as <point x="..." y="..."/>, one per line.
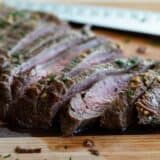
<point x="104" y="53"/>
<point x="24" y="82"/>
<point x="122" y="113"/>
<point x="148" y="106"/>
<point x="53" y="92"/>
<point x="59" y="45"/>
<point x="71" y="122"/>
<point x="87" y="106"/>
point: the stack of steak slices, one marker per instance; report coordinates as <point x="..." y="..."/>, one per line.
<point x="41" y="92"/>
<point x="18" y="29"/>
<point x="86" y="107"/>
<point x="47" y="68"/>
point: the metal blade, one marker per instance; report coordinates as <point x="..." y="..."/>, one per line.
<point x="122" y="19"/>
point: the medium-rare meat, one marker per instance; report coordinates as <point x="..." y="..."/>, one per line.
<point x="22" y="85"/>
<point x="122" y="113"/>
<point x="89" y="105"/>
<point x="107" y="52"/>
<point x="148" y="105"/>
<point x="20" y="63"/>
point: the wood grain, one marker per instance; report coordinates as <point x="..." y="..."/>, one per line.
<point x="127" y="147"/>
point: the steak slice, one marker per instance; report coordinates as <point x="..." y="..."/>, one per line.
<point x="61" y="44"/>
<point x="84" y="109"/>
<point x="148" y="105"/>
<point x="104" y="53"/>
<point x="122" y="113"/>
<point x="71" y="122"/>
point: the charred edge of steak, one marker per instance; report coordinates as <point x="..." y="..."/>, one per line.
<point x="122" y="113"/>
<point x="5" y="80"/>
<point x="33" y="109"/>
<point x="148" y="106"/>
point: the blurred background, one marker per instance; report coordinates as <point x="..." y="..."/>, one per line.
<point x="153" y="5"/>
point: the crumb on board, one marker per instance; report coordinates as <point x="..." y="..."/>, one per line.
<point x="88" y="143"/>
<point x="141" y="50"/>
<point x="27" y="150"/>
<point x="65" y="147"/>
<point x="94" y="152"/>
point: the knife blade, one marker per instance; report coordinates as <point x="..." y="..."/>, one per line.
<point x="146" y="22"/>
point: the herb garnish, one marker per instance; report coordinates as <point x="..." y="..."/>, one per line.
<point x="7" y="156"/>
<point x="126" y="63"/>
<point x="16" y="58"/>
<point x="1" y="37"/>
<point x="121" y="62"/>
<point x="20" y="14"/>
<point x="130" y="93"/>
<point x="74" y="62"/>
<point x="3" y="23"/>
<point x="52" y="77"/>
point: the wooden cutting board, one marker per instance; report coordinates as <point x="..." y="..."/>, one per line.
<point x="110" y="147"/>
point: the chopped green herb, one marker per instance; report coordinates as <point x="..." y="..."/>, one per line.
<point x="22" y="33"/>
<point x="121" y="62"/>
<point x="20" y="14"/>
<point x="1" y="37"/>
<point x="16" y="58"/>
<point x="16" y="55"/>
<point x="7" y="156"/>
<point x="52" y="77"/>
<point x="130" y="93"/>
<point x="133" y="61"/>
<point x="70" y="158"/>
<point x="126" y="63"/>
<point x="3" y="23"/>
<point x="74" y="62"/>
